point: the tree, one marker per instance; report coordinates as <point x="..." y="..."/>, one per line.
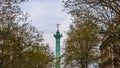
<point x="105" y="14"/>
<point x="36" y="57"/>
<point x="21" y="44"/>
<point x="10" y="17"/>
<point x="81" y="44"/>
<point x="102" y="10"/>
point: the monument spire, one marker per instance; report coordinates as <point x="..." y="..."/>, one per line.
<point x="57" y="37"/>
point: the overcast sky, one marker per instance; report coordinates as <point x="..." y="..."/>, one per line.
<point x="45" y="14"/>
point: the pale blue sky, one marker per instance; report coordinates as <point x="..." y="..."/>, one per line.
<point x="45" y="14"/>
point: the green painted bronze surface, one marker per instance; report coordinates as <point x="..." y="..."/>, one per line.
<point x="57" y="37"/>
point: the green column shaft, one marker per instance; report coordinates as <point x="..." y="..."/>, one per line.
<point x="57" y="53"/>
<point x="57" y="37"/>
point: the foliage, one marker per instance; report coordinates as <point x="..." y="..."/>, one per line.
<point x="21" y="44"/>
<point x="102" y="10"/>
<point x="81" y="44"/>
<point x="103" y="13"/>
